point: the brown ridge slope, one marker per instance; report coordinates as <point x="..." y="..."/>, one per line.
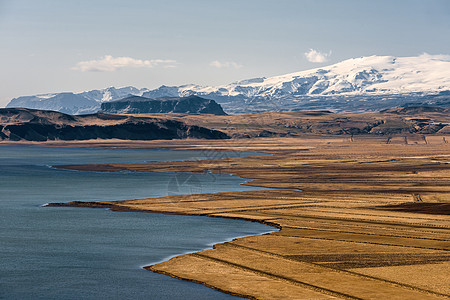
<point x="36" y="125"/>
<point x="423" y="120"/>
<point x="363" y="219"/>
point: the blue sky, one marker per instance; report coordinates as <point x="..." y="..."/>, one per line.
<point x="56" y="45"/>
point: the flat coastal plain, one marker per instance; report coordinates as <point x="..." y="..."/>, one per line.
<point x="358" y="217"/>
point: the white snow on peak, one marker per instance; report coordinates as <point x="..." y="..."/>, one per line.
<point x="112" y="93"/>
<point x="364" y="75"/>
<point x="46" y="96"/>
<point x="371" y="75"/>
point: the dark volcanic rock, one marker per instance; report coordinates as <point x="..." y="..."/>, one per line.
<point x="142" y="105"/>
<point x="151" y="131"/>
<point x="36" y="125"/>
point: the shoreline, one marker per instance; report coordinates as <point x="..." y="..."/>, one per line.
<point x="355" y="231"/>
<point x="116" y="208"/>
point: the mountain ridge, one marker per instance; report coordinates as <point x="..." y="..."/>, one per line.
<point x="354" y="85"/>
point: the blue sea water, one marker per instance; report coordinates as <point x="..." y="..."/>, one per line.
<point x="84" y="253"/>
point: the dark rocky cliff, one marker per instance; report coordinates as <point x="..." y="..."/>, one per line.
<point x="36" y="125"/>
<point x="142" y="105"/>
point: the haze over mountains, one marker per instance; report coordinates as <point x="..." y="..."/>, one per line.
<point x="355" y="85"/>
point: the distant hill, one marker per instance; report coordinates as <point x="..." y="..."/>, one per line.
<point x="18" y="124"/>
<point x="415" y="110"/>
<point x="142" y="105"/>
<point x="363" y="84"/>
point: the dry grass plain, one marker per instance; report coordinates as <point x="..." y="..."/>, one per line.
<point x="359" y="218"/>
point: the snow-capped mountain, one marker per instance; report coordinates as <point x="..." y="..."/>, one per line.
<point x="359" y="84"/>
<point x="111" y="93"/>
<point x="70" y="103"/>
<point x="364" y="75"/>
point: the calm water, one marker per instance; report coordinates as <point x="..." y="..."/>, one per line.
<point x="83" y="253"/>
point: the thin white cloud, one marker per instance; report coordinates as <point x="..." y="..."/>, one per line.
<point x="435" y="56"/>
<point x="316" y="56"/>
<point x="109" y="63"/>
<point x="225" y="64"/>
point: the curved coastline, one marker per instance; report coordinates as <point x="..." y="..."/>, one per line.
<point x="118" y="208"/>
<point x="205" y="235"/>
<point x="338" y="217"/>
<point x="113" y="206"/>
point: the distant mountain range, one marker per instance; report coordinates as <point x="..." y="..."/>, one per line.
<point x="355" y="85"/>
<point x="75" y="104"/>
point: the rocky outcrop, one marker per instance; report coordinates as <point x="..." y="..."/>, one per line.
<point x="142" y="105"/>
<point x="35" y="125"/>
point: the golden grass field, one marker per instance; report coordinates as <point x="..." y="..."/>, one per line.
<point x="359" y="218"/>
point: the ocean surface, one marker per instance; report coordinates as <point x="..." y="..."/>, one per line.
<point x="85" y="253"/>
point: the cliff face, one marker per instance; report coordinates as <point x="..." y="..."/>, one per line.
<point x="35" y="125"/>
<point x="141" y="105"/>
<point x="38" y="125"/>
